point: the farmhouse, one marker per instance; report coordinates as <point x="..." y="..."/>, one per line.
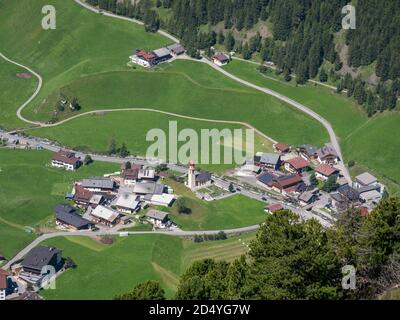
<point x="82" y="197"/>
<point x="268" y="160"/>
<point x="272" y="208"/>
<point x="38" y="258"/>
<point x="67" y="217"/>
<point x="176" y="49"/>
<point x="220" y="59"/>
<point x="307" y="152"/>
<point x="127" y="203"/>
<point x="105" y="216"/>
<point x="99" y="184"/>
<point x="131" y="175"/>
<point x="162" y="55"/>
<point x="327" y="154"/>
<point x="367" y="182"/>
<point x="144" y="58"/>
<point x="3" y="284"/>
<point x="265" y="178"/>
<point x="281" y="147"/>
<point x="158" y="219"/>
<point x="66" y="160"/>
<point x="286" y="184"/>
<point x="324" y="171"/>
<point x="297" y="165"/>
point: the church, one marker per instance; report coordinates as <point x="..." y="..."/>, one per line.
<point x="197" y="180"/>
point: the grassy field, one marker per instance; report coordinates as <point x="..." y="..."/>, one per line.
<point x="83" y="43"/>
<point x="29" y="191"/>
<point x="106" y="270"/>
<point x="233" y="212"/>
<point x="372" y="143"/>
<point x="131" y="127"/>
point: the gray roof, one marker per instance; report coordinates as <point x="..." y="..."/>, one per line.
<point x="127" y="201"/>
<point x="309" y="149"/>
<point x="162" y="52"/>
<point x="270" y="158"/>
<point x="371" y="195"/>
<point x="326" y="150"/>
<point x="148" y="188"/>
<point x="176" y="47"/>
<point x="203" y="176"/>
<point x="100" y="182"/>
<point x="39" y="257"/>
<point x="68" y="215"/>
<point x="349" y="192"/>
<point x="366" y="179"/>
<point x="157" y="215"/>
<point x="368" y="188"/>
<point x="307" y="196"/>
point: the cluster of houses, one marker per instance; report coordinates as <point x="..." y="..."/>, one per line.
<point x="150" y="59"/>
<point x="288" y="171"/>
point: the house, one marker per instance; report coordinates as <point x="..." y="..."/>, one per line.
<point x="281" y="147"/>
<point x="158" y="219"/>
<point x="131" y="175"/>
<point x="327" y="154"/>
<point x="105" y="216"/>
<point x="98" y="184"/>
<point x="145" y="188"/>
<point x="365" y="181"/>
<point x="324" y="171"/>
<point x="96" y="200"/>
<point x="82" y="197"/>
<point x="308" y="197"/>
<point x="307" y="152"/>
<point x="268" y="160"/>
<point x="265" y="178"/>
<point x="146" y="174"/>
<point x="68" y="217"/>
<point x="339" y="202"/>
<point x="164" y="199"/>
<point x="162" y="54"/>
<point x="197" y="179"/>
<point x="372" y="197"/>
<point x="176" y="49"/>
<point x="351" y="194"/>
<point x="127" y="203"/>
<point x="4" y="284"/>
<point x="144" y="58"/>
<point x="220" y="59"/>
<point x="272" y="208"/>
<point x="66" y="160"/>
<point x="297" y="165"/>
<point x="37" y="259"/>
<point x="286" y="184"/>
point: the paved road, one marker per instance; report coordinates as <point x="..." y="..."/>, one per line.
<point x="48" y="236"/>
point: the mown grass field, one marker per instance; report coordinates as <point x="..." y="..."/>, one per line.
<point x="83" y="43"/>
<point x="373" y="143"/>
<point x="106" y="270"/>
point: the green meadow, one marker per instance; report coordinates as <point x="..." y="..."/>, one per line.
<point x="104" y="271"/>
<point x="372" y="143"/>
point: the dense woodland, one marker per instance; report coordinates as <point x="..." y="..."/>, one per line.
<point x="293" y="259"/>
<point x="303" y="37"/>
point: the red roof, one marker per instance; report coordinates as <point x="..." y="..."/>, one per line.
<point x="274" y="207"/>
<point x="364" y="211"/>
<point x="3" y="279"/>
<point x="281" y="147"/>
<point x="146" y="55"/>
<point x="326" y="170"/>
<point x="298" y="163"/>
<point x="66" y="157"/>
<point x="220" y="57"/>
<point x="81" y="194"/>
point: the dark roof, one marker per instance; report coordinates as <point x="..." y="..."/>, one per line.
<point x="98" y="182"/>
<point x="221" y="57"/>
<point x="308" y="149"/>
<point x="349" y="192"/>
<point x="177" y="48"/>
<point x="39" y="257"/>
<point x="131" y="174"/>
<point x="288" y="181"/>
<point x="368" y="188"/>
<point x="68" y="215"/>
<point x="265" y="177"/>
<point x="66" y="157"/>
<point x="327" y="151"/>
<point x="203" y="176"/>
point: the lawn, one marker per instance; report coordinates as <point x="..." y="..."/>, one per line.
<point x="113" y="269"/>
<point x="83" y="43"/>
<point x="233" y="212"/>
<point x="13" y="239"/>
<point x="372" y="143"/>
<point x="131" y="127"/>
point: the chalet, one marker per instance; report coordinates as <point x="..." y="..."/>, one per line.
<point x="297" y="165"/>
<point x="144" y="58"/>
<point x="68" y="217"/>
<point x="272" y="208"/>
<point x="99" y="184"/>
<point x="268" y="160"/>
<point x="327" y="154"/>
<point x="307" y="152"/>
<point x="105" y="216"/>
<point x="220" y="59"/>
<point x="4" y="284"/>
<point x="66" y="160"/>
<point x="281" y="147"/>
<point x="127" y="203"/>
<point x="162" y="55"/>
<point x="131" y="175"/>
<point x="38" y="258"/>
<point x="324" y="171"/>
<point x="82" y="197"/>
<point x="158" y="219"/>
<point x="286" y="184"/>
<point x="176" y="49"/>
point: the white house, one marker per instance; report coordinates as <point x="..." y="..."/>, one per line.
<point x="220" y="59"/>
<point x="143" y="58"/>
<point x="158" y="219"/>
<point x="164" y="199"/>
<point x="66" y="160"/>
<point x="324" y="171"/>
<point x="127" y="203"/>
